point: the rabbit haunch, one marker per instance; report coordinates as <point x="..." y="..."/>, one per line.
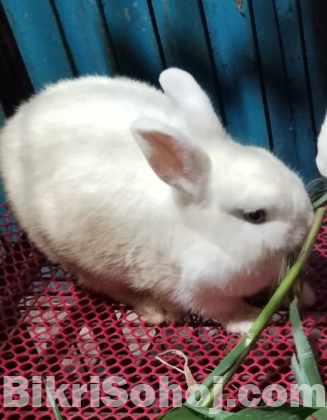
<point x="142" y="195"/>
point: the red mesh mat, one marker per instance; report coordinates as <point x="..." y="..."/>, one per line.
<point x="51" y="327"/>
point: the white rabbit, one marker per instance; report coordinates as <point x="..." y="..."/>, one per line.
<point x="321" y="159"/>
<point x="142" y="195"/>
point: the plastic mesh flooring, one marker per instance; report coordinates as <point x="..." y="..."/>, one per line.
<point x="51" y="327"/>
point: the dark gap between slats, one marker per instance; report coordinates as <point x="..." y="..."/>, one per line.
<point x="156" y="34"/>
<point x="305" y="63"/>
<point x="289" y="99"/>
<point x="261" y="78"/>
<point x="212" y="60"/>
<point x="63" y="37"/>
<point x="108" y="36"/>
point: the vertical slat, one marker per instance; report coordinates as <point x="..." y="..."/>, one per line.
<point x="236" y="62"/>
<point x="86" y="35"/>
<point x="183" y="39"/>
<point x="313" y="16"/>
<point x="302" y="123"/>
<point x="133" y="38"/>
<point x="275" y="82"/>
<point x="39" y="40"/>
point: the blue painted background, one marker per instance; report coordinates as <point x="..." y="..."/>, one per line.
<point x="262" y="61"/>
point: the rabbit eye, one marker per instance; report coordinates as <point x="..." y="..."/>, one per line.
<point x="257" y="217"/>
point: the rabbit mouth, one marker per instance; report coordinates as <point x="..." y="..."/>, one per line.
<point x="283" y="259"/>
<point x="285" y="264"/>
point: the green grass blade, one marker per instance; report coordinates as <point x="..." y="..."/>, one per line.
<point x="229" y="361"/>
<point x="319" y="414"/>
<point x="285" y="412"/>
<point x="182" y="413"/>
<point x="205" y="412"/>
<point x="52" y="402"/>
<point x="300" y="379"/>
<point x="306" y="360"/>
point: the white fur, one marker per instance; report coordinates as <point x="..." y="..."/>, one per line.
<point x="81" y="187"/>
<point x="321" y="159"/>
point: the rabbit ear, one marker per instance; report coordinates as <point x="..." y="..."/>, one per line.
<point x="183" y="89"/>
<point x="173" y="158"/>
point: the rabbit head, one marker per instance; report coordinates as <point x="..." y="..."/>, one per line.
<point x="240" y="198"/>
